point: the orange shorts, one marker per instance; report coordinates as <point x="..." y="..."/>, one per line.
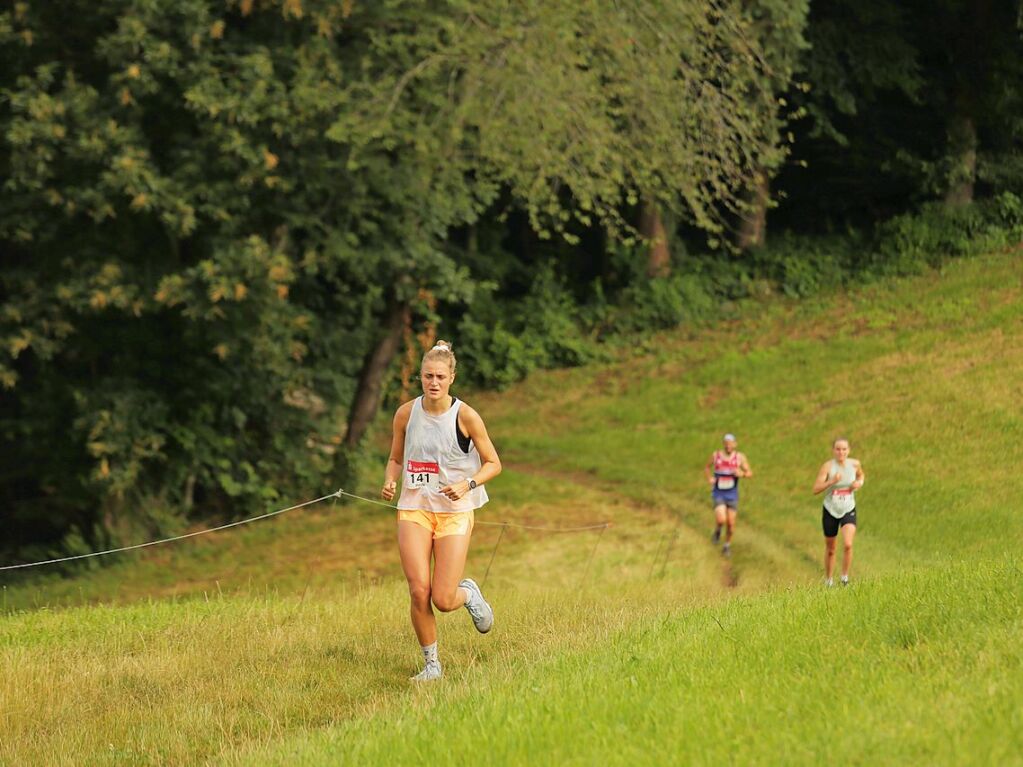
<point x="441" y="524"/>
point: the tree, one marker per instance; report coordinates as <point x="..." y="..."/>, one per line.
<point x="906" y="102"/>
<point x="194" y="254"/>
<point x="859" y="86"/>
<point x="778" y="26"/>
<point x="219" y="219"/>
<point x="974" y="49"/>
<point x="602" y="104"/>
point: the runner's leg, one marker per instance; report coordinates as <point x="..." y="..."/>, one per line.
<point x="848" y="534"/>
<point x="720" y="519"/>
<point x="732" y="516"/>
<point x="449" y="563"/>
<point x="829" y="557"/>
<point x="415" y="544"/>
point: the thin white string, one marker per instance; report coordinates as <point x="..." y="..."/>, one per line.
<point x="336" y="494"/>
<point x="169" y="540"/>
<point x="495" y="524"/>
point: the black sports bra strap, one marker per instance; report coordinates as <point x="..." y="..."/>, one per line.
<point x="464" y="440"/>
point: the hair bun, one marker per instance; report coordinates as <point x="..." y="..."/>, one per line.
<point x="441" y="352"/>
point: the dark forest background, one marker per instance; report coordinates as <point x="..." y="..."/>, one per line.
<point x="230" y="228"/>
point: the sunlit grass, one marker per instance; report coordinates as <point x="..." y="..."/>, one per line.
<point x="290" y="637"/>
<point x="920" y="668"/>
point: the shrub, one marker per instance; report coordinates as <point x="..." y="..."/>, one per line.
<point x="504" y="338"/>
<point x="502" y="341"/>
<point x="800" y="265"/>
<point x="913" y="241"/>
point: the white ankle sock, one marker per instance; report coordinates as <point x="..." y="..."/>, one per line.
<point x="430" y="653"/>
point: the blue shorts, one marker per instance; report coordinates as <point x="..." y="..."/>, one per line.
<point x="729" y="498"/>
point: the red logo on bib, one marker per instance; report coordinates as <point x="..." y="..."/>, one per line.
<point x="423" y="467"/>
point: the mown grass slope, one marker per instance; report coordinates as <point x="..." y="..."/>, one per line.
<point x="288" y="640"/>
<point x="920" y="668"/>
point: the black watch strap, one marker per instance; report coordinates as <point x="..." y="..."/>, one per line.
<point x="472" y="484"/>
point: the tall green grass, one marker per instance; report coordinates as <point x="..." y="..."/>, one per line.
<point x="918" y="668"/>
<point x="290" y="639"/>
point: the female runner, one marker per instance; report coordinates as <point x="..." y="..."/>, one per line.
<point x="839" y="479"/>
<point x="442" y="453"/>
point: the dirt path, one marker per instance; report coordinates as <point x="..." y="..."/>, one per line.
<point x="759" y="558"/>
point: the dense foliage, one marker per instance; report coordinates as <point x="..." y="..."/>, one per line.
<point x="224" y="224"/>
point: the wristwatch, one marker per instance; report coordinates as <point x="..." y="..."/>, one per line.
<point x="472" y="484"/>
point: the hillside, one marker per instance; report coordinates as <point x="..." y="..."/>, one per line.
<point x="289" y="639"/>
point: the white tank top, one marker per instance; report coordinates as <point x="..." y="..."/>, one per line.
<point x="433" y="459"/>
<point x="840" y="499"/>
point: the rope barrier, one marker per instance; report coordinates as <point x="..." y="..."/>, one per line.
<point x="335" y="495"/>
<point x="168" y="540"/>
<point x="601" y="526"/>
<point x="586" y="570"/>
<point x="493" y="555"/>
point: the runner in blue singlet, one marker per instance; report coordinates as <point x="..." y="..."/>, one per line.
<point x="723" y="471"/>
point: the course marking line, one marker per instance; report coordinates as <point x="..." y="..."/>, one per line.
<point x="335" y="495"/>
<point x="169" y="540"/>
<point x="494" y="554"/>
<point x="586" y="570"/>
<point x="601" y="526"/>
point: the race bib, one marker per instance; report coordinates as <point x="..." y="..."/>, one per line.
<point x="422" y="475"/>
<point x="842" y="499"/>
<point x="726" y="483"/>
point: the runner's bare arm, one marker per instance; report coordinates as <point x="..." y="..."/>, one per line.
<point x="477" y="431"/>
<point x="708" y="472"/>
<point x="394" y="466"/>
<point x="860" y="477"/>
<point x="744" y="466"/>
<point x="821" y="483"/>
<point x="473" y="425"/>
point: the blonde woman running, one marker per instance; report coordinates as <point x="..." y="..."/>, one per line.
<point x="839" y="479"/>
<point x="442" y="453"/>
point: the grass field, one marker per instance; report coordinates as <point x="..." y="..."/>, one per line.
<point x="287" y="641"/>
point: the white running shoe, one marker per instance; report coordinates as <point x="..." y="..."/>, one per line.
<point x="430" y="672"/>
<point x="844" y="580"/>
<point x="829" y="582"/>
<point x="480" y="610"/>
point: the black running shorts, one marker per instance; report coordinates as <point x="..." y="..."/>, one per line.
<point x="832" y="524"/>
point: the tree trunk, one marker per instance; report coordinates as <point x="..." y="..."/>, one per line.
<point x="973" y="50"/>
<point x="416" y="343"/>
<point x="753" y="221"/>
<point x="651" y="227"/>
<point x="367" y="394"/>
<point x="189" y="499"/>
<point x="962" y="136"/>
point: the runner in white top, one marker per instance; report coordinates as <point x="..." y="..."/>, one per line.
<point x="839" y="479"/>
<point x="441" y="451"/>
